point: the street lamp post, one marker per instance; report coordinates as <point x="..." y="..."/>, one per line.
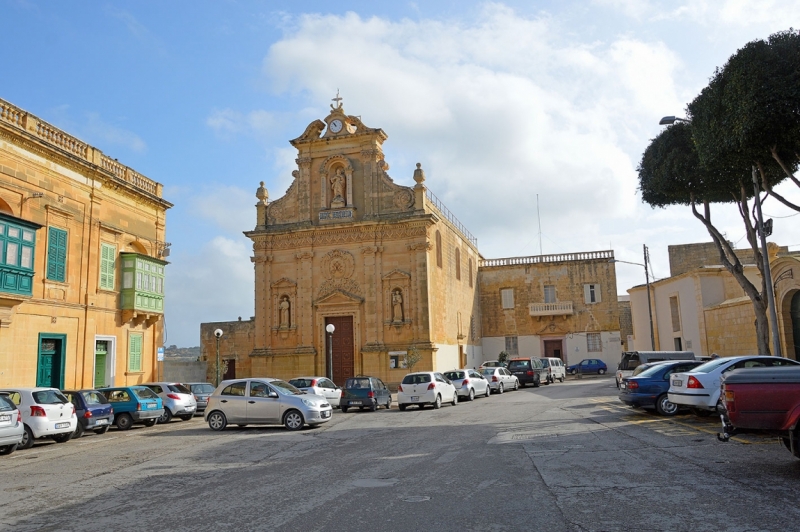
<point x="649" y="304"/>
<point x="330" y="328"/>
<point x="218" y="334"/>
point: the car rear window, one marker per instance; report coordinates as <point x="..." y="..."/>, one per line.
<point x="178" y="388"/>
<point x="202" y="388"/>
<point x="489" y="371"/>
<point x="420" y="378"/>
<point x="302" y="383"/>
<point x="145" y="393"/>
<point x="49" y="397"/>
<point x="6" y="404"/>
<point x="711" y="365"/>
<point x="519" y="364"/>
<point x="455" y="375"/>
<point x="94" y="398"/>
<point x="357" y="384"/>
<point x="629" y="361"/>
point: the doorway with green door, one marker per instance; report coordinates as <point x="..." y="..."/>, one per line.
<point x="104" y="360"/>
<point x="51" y="360"/>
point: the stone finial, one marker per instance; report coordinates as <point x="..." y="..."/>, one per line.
<point x="262" y="194"/>
<point x="419" y="174"/>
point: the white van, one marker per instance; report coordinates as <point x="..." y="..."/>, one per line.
<point x="555" y="369"/>
<point x="632" y="359"/>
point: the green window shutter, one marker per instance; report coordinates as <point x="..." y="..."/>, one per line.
<point x="107" y="266"/>
<point x="135" y="353"/>
<point x="56" y="254"/>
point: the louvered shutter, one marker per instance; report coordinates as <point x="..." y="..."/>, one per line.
<point x="56" y="254"/>
<point x="135" y="353"/>
<point x="107" y="266"/>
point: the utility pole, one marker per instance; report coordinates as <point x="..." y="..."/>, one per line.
<point x="649" y="304"/>
<point x="773" y="315"/>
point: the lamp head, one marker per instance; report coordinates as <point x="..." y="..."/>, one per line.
<point x="218" y="333"/>
<point x="330" y="328"/>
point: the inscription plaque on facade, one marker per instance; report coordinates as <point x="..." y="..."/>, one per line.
<point x="336" y="215"/>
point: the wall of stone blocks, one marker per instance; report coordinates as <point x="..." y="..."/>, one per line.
<point x="731" y="329"/>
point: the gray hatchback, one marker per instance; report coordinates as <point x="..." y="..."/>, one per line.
<point x="11" y="427"/>
<point x="178" y="400"/>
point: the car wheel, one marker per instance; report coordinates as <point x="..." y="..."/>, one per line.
<point x="293" y="420"/>
<point x="561" y="379"/>
<point x="150" y="422"/>
<point x="788" y="444"/>
<point x="437" y="403"/>
<point x="401" y="406"/>
<point x="123" y="421"/>
<point x="573" y="372"/>
<point x="79" y="430"/>
<point x="62" y="438"/>
<point x="455" y="399"/>
<point x="166" y="417"/>
<point x="187" y="417"/>
<point x="344" y="409"/>
<point x="537" y="382"/>
<point x="389" y="404"/>
<point x="8" y="449"/>
<point x="500" y="389"/>
<point x="516" y="385"/>
<point x="101" y="430"/>
<point x="217" y="421"/>
<point x="471" y="395"/>
<point x="27" y="439"/>
<point x="601" y="371"/>
<point x="488" y="390"/>
<point x="664" y="407"/>
<point x="373" y="407"/>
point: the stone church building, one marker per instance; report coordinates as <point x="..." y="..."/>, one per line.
<point x="387" y="265"/>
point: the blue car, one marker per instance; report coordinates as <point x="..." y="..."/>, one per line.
<point x="588" y="365"/>
<point x="649" y="388"/>
<point x="134" y="404"/>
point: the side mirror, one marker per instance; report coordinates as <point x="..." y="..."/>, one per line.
<point x="273" y="395"/>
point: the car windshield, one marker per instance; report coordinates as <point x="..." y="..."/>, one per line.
<point x="519" y="364"/>
<point x="455" y="375"/>
<point x="145" y="393"/>
<point x="202" y="388"/>
<point x="357" y="384"/>
<point x="711" y="365"/>
<point x="418" y="378"/>
<point x="285" y="388"/>
<point x="301" y="383"/>
<point x="178" y="388"/>
<point x="94" y="398"/>
<point x="49" y="397"/>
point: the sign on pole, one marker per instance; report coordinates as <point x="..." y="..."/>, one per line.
<point x="160" y="355"/>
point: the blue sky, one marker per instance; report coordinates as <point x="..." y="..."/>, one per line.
<point x="498" y="101"/>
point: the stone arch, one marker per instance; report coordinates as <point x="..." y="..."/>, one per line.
<point x="5" y="208"/>
<point x="138" y="247"/>
<point x="793" y="333"/>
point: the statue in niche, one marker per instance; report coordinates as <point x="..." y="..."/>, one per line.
<point x="283" y="309"/>
<point x="338" y="182"/>
<point x="397" y="305"/>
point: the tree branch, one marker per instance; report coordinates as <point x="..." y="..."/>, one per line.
<point x="789" y="174"/>
<point x="774" y="194"/>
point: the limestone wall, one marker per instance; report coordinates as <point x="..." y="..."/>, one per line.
<point x="731" y="328"/>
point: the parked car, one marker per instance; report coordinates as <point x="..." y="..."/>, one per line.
<point x="528" y="371"/>
<point x="201" y="391"/>
<point x="264" y="401"/>
<point x="425" y="388"/>
<point x="365" y="392"/>
<point x="700" y="387"/>
<point x="134" y="404"/>
<point x="46" y="413"/>
<point x="500" y="379"/>
<point x="588" y="365"/>
<point x="177" y="400"/>
<point x="93" y="410"/>
<point x="648" y="388"/>
<point x="12" y="430"/>
<point x="493" y="364"/>
<point x="555" y="369"/>
<point x="319" y="386"/>
<point x="468" y="383"/>
<point x="630" y="360"/>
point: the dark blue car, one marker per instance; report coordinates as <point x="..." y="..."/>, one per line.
<point x="588" y="365"/>
<point x="649" y="388"/>
<point x="93" y="410"/>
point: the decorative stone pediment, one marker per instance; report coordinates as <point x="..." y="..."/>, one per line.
<point x="338" y="297"/>
<point x="283" y="282"/>
<point x="553" y="327"/>
<point x="399" y="275"/>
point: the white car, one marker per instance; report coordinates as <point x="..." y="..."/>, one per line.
<point x="11" y="429"/>
<point x="469" y="383"/>
<point x="46" y="413"/>
<point x="426" y="388"/>
<point x="700" y="388"/>
<point x="319" y="386"/>
<point x="556" y="371"/>
<point x="500" y="379"/>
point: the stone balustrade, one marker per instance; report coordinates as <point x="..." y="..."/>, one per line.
<point x="542" y="259"/>
<point x="49" y="134"/>
<point x="560" y="308"/>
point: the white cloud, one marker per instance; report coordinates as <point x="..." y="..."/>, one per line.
<point x="236" y="213"/>
<point x="108" y="134"/>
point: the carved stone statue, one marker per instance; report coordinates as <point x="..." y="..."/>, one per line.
<point x="397" y="306"/>
<point x="284" y="312"/>
<point x="338" y="182"/>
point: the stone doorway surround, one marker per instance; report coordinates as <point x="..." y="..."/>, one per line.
<point x="338" y="304"/>
<point x="553" y="348"/>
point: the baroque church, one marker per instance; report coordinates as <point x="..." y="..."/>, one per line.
<point x="388" y="266"/>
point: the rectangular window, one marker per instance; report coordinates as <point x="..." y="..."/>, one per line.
<point x="56" y="254"/>
<point x="678" y="346"/>
<point x="138" y="280"/>
<point x="591" y="293"/>
<point x="511" y="346"/>
<point x="507" y="295"/>
<point x="108" y="255"/>
<point x="27" y="257"/>
<point x="470" y="272"/>
<point x="12" y="254"/>
<point x="676" y="315"/>
<point x="594" y="344"/>
<point x="135" y="352"/>
<point x="549" y="293"/>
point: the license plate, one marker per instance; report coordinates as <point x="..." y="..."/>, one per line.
<point x="62" y="425"/>
<point x="414" y="398"/>
<point x="326" y="414"/>
<point x="189" y="408"/>
<point x="355" y="402"/>
<point x="151" y="406"/>
<point x="677" y="383"/>
<point x="622" y="385"/>
<point x="5" y="417"/>
<point x="101" y="422"/>
<point x="519" y="373"/>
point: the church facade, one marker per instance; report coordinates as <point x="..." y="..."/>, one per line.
<point x="387" y="265"/>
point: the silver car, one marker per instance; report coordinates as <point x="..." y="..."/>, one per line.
<point x="469" y="383"/>
<point x="500" y="379"/>
<point x="11" y="428"/>
<point x="264" y="401"/>
<point x="319" y="386"/>
<point x="178" y="400"/>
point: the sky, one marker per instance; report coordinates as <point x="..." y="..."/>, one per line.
<point x="503" y="103"/>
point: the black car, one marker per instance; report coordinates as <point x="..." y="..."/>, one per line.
<point x="528" y="371"/>
<point x="93" y="410"/>
<point x="365" y="392"/>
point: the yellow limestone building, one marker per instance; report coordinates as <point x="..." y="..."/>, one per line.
<point x="82" y="241"/>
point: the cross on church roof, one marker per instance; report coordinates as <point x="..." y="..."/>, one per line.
<point x="338" y="101"/>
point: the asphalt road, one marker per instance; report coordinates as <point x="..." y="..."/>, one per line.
<point x="564" y="457"/>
